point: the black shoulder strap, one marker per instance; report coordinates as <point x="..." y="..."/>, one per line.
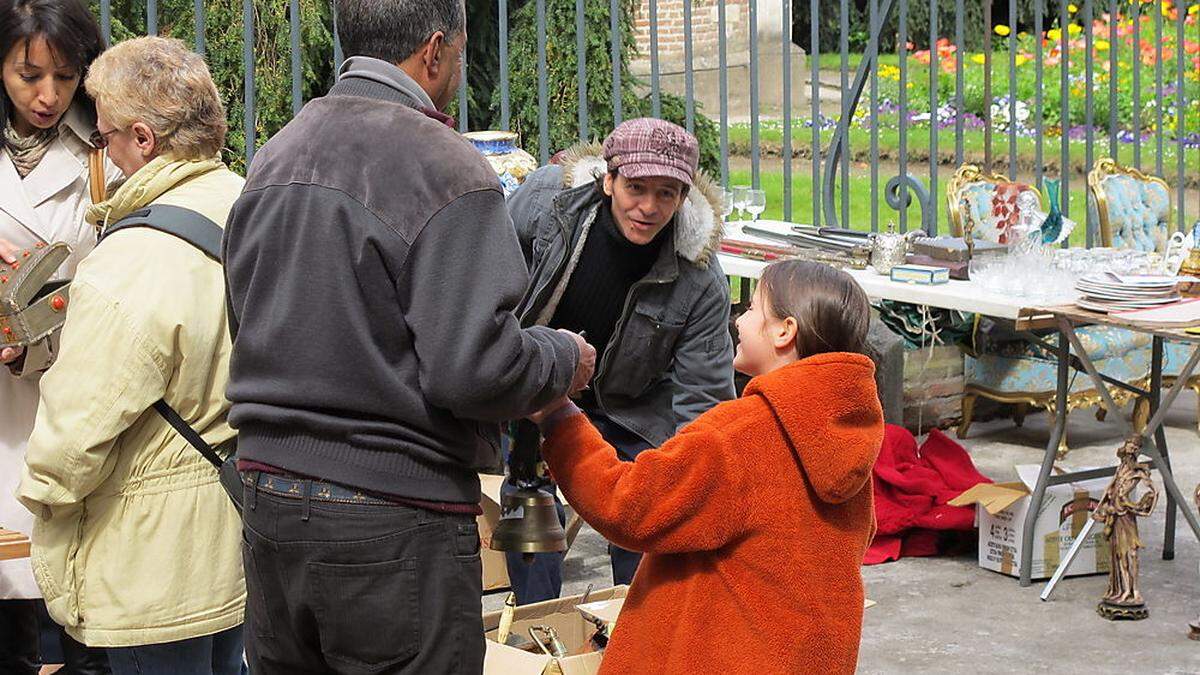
<point x="190" y="226"/>
<point x="189" y="434"/>
<point x="201" y="232"/>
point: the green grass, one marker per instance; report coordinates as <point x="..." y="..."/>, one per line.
<point x="833" y="61"/>
<point x="771" y="142"/>
<point x="860" y="203"/>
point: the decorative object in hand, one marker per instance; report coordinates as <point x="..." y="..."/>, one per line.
<point x="510" y="163"/>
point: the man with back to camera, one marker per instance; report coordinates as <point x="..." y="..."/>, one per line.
<point x="373" y="271"/>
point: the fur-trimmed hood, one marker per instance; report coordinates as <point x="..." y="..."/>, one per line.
<point x="698" y="225"/>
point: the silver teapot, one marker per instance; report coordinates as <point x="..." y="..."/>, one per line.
<point x="890" y="248"/>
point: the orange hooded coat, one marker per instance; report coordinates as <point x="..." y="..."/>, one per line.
<point x="755" y="519"/>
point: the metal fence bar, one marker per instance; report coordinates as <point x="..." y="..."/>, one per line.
<point x="543" y="121"/>
<point x="581" y="69"/>
<point x="615" y="40"/>
<point x="294" y="39"/>
<point x="723" y="84"/>
<point x="786" y="40"/>
<point x="502" y="38"/>
<point x="844" y="63"/>
<point x="1113" y="137"/>
<point x="1090" y="123"/>
<point x="934" y="64"/>
<point x="815" y="94"/>
<point x="1137" y="84"/>
<point x="655" y="95"/>
<point x="198" y="18"/>
<point x="755" y="151"/>
<point x="689" y="83"/>
<point x="248" y="66"/>
<point x="151" y="17"/>
<point x="1039" y="104"/>
<point x="1159" y="131"/>
<point x="958" y="83"/>
<point x="463" y="117"/>
<point x="338" y="56"/>
<point x="106" y="20"/>
<point x="902" y="47"/>
<point x="1012" y="89"/>
<point x="874" y="22"/>
<point x="987" y="84"/>
<point x="1180" y="102"/>
<point x="1065" y="107"/>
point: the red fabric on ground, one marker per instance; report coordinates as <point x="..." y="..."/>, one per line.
<point x="911" y="490"/>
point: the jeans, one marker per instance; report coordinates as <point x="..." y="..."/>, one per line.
<point x="30" y="638"/>
<point x="219" y="654"/>
<point x="358" y="587"/>
<point x="542" y="579"/>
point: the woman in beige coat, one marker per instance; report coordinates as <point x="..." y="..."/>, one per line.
<point x="136" y="547"/>
<point x="49" y="171"/>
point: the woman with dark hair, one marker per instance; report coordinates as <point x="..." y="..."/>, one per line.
<point x="50" y="172"/>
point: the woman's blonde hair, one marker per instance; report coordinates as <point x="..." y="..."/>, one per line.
<point x="166" y="86"/>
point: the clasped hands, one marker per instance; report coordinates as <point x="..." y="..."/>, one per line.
<point x="8" y="253"/>
<point x="584" y="370"/>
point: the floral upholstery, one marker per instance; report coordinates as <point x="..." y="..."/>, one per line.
<point x="1139" y="212"/>
<point x="981" y="201"/>
<point x="1020" y="368"/>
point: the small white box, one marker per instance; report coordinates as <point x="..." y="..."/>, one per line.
<point x="1001" y="512"/>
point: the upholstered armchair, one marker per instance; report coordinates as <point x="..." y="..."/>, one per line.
<point x="984" y="203"/>
<point x="1015" y="371"/>
<point x="1134" y="211"/>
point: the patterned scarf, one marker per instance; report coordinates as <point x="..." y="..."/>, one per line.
<point x="27" y="151"/>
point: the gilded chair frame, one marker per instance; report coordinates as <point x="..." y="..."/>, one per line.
<point x="1107" y="167"/>
<point x="966" y="174"/>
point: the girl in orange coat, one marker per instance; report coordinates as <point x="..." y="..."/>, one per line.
<point x="755" y="517"/>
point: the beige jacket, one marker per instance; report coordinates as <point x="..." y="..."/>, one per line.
<point x="134" y="541"/>
<point x="47" y="206"/>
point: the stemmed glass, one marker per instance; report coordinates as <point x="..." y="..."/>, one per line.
<point x="756" y="203"/>
<point x="726" y="204"/>
<point x="741" y="193"/>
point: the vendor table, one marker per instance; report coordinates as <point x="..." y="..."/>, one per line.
<point x="968" y="297"/>
<point x="13" y="545"/>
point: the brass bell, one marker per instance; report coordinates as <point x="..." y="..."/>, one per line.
<point x="529" y="523"/>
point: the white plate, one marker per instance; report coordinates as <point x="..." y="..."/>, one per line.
<point x="1107" y="307"/>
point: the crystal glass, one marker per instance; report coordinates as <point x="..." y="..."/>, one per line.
<point x="756" y="203"/>
<point x="726" y="204"/>
<point x="740" y="194"/>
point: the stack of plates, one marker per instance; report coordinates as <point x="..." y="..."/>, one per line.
<point x="1110" y="292"/>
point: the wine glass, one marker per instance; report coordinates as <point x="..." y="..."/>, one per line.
<point x="756" y="203"/>
<point x="740" y="194"/>
<point x="726" y="204"/>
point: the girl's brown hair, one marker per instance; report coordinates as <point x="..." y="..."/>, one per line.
<point x="832" y="312"/>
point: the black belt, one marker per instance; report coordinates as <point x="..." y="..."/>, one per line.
<point x="317" y="490"/>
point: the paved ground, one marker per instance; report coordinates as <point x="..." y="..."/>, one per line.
<point x="947" y="615"/>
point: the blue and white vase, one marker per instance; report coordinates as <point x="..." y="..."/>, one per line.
<point x="511" y="163"/>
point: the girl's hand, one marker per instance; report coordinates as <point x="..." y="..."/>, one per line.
<point x="542" y="414"/>
<point x="8" y="252"/>
<point x="10" y="354"/>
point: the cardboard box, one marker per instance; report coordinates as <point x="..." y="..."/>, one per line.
<point x="564" y="617"/>
<point x="495" y="571"/>
<point x="1065" y="510"/>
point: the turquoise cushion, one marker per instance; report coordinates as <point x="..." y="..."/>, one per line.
<point x="1175" y="356"/>
<point x="1138" y="213"/>
<point x="1019" y="367"/>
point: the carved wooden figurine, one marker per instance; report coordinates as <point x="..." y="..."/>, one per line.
<point x="1119" y="511"/>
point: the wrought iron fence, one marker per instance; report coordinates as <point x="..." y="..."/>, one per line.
<point x="1161" y="125"/>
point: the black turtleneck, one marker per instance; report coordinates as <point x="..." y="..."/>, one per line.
<point x="608" y="266"/>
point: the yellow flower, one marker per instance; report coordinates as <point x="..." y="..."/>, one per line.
<point x="1101" y="45"/>
<point x="1194" y="9"/>
<point x="977" y="58"/>
<point x="1072" y="9"/>
<point x="1002" y="30"/>
<point x="1074" y="29"/>
<point x="1053" y="35"/>
<point x="1022" y="59"/>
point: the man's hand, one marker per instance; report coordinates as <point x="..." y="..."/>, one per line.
<point x="586" y="366"/>
<point x="550" y="409"/>
<point x="10" y="354"/>
<point x="8" y="252"/>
